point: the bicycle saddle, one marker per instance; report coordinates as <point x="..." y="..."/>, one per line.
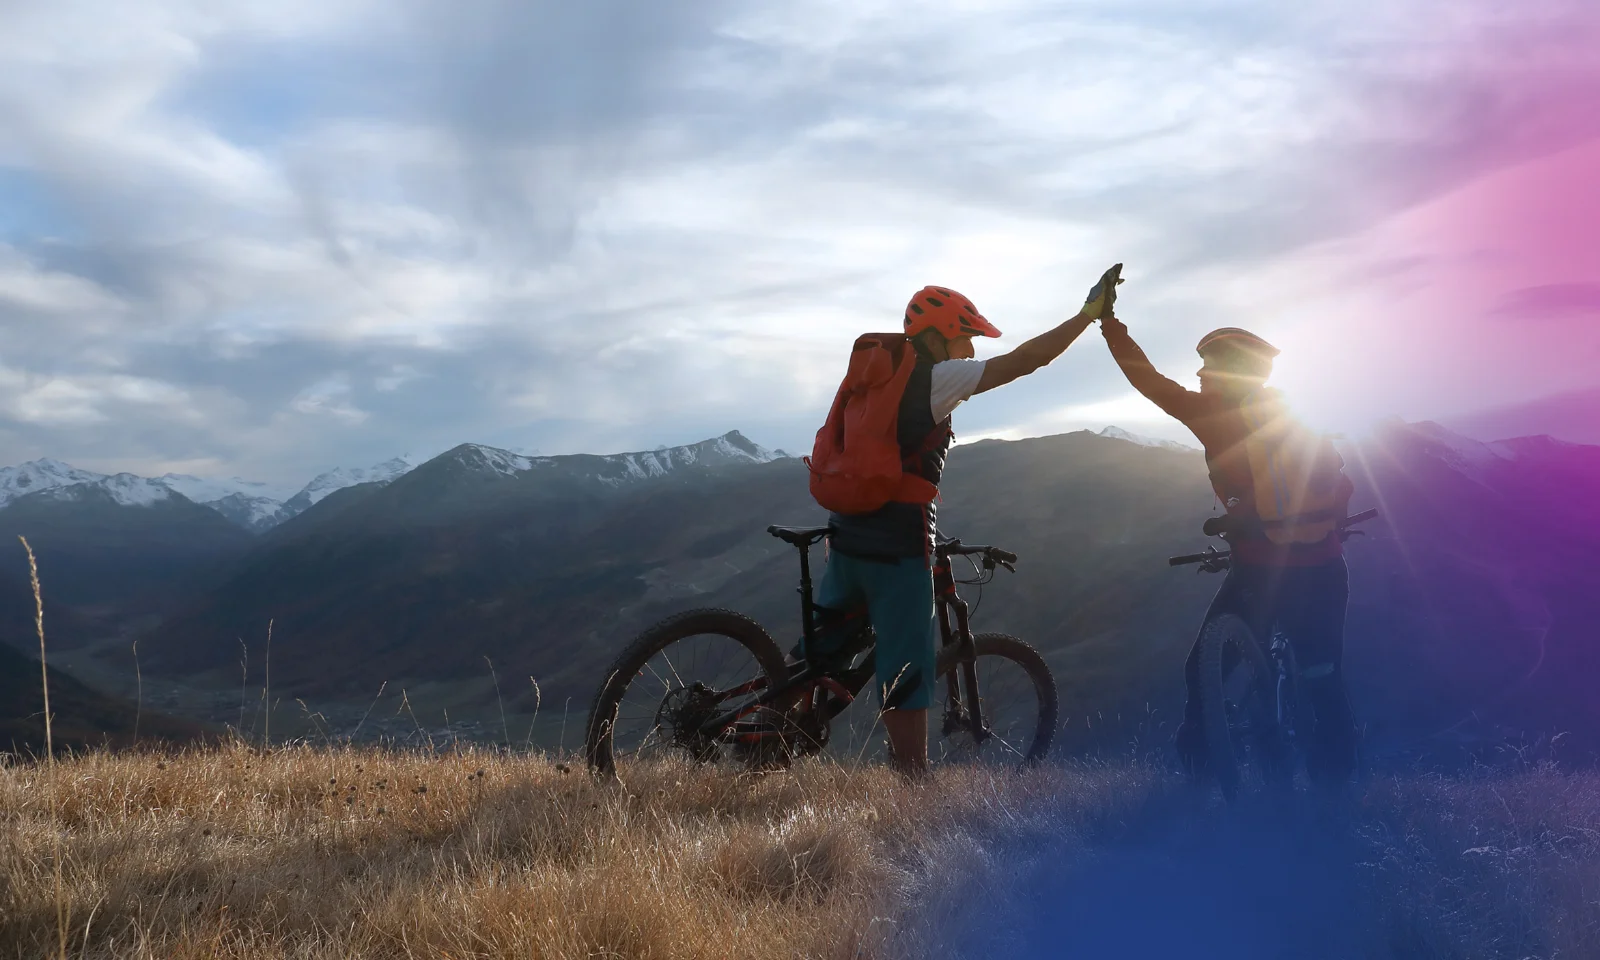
<point x="799" y="536"/>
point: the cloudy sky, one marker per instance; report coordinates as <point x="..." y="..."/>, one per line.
<point x="270" y="238"/>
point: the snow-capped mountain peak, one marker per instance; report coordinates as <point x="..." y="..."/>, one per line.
<point x="732" y="447"/>
<point x="36" y="475"/>
<point x="251" y="504"/>
<point x="260" y="506"/>
<point x="736" y="446"/>
<point x="338" y="479"/>
<point x="65" y="482"/>
<point x="1117" y="433"/>
<point x="133" y="491"/>
<point x="478" y="457"/>
<point x="123" y="488"/>
<point x="617" y="468"/>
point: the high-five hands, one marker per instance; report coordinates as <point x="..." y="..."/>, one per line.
<point x="1103" y="296"/>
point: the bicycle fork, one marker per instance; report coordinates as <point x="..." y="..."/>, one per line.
<point x="1284" y="702"/>
<point x="967" y="706"/>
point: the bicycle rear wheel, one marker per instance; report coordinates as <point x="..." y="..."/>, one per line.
<point x="672" y="679"/>
<point x="1238" y="706"/>
<point x="1019" y="701"/>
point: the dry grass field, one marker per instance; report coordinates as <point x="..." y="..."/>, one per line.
<point x="355" y="853"/>
<point x="346" y="853"/>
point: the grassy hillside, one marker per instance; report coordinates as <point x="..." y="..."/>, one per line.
<point x="361" y="853"/>
<point x="1472" y="599"/>
<point x="552" y="589"/>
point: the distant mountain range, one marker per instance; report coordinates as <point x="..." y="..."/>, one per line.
<point x="254" y="506"/>
<point x="258" y="507"/>
<point x="119" y="548"/>
<point x="1573" y="416"/>
<point x="1117" y="433"/>
<point x="1474" y="612"/>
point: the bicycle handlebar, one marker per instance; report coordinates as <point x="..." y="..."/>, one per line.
<point x="955" y="548"/>
<point x="1212" y="559"/>
<point x="1212" y="556"/>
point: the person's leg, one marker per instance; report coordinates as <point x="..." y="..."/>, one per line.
<point x="908" y="740"/>
<point x="1313" y="618"/>
<point x="839" y="594"/>
<point x="840" y="601"/>
<point x="900" y="605"/>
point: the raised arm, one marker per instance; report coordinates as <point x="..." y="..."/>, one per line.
<point x="1169" y="395"/>
<point x="1031" y="355"/>
<point x="1044" y="348"/>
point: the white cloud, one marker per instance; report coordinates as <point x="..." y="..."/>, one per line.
<point x="67" y="401"/>
<point x="329" y="398"/>
<point x="57" y="403"/>
<point x="607" y="225"/>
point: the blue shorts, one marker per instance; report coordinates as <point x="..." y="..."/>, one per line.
<point x="898" y="596"/>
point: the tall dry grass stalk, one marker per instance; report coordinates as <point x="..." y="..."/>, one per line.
<point x="138" y="705"/>
<point x="266" y="690"/>
<point x="505" y="728"/>
<point x="49" y="751"/>
<point x="538" y="701"/>
<point x="244" y="677"/>
<point x="355" y="734"/>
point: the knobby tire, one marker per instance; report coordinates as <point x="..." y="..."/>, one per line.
<point x="1222" y="746"/>
<point x="598" y="742"/>
<point x="1025" y="656"/>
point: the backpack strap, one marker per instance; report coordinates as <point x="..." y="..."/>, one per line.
<point x="911" y="462"/>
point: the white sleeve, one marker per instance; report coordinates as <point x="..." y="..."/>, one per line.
<point x="953" y="381"/>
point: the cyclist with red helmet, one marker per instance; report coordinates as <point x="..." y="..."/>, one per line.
<point x="1300" y="581"/>
<point x="881" y="559"/>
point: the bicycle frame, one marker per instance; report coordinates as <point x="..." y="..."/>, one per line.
<point x="948" y="602"/>
<point x="1270" y="647"/>
<point x="954" y="629"/>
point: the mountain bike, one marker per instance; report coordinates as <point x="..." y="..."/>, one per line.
<point x="712" y="685"/>
<point x="1254" y="721"/>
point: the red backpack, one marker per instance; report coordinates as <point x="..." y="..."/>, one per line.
<point x="856" y="464"/>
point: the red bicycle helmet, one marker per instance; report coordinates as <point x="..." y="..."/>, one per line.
<point x="944" y="310"/>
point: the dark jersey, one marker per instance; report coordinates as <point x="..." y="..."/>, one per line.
<point x="1218" y="423"/>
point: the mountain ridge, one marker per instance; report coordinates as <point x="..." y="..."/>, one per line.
<point x="259" y="507"/>
<point x="1471" y="596"/>
<point x="545" y="572"/>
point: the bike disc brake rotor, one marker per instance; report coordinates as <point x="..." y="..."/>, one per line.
<point x="682" y="713"/>
<point x="1010" y="712"/>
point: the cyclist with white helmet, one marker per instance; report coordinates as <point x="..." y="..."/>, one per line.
<point x="1292" y="576"/>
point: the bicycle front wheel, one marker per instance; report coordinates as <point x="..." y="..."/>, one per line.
<point x="1017" y="697"/>
<point x="1238" y="706"/>
<point x="674" y="678"/>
